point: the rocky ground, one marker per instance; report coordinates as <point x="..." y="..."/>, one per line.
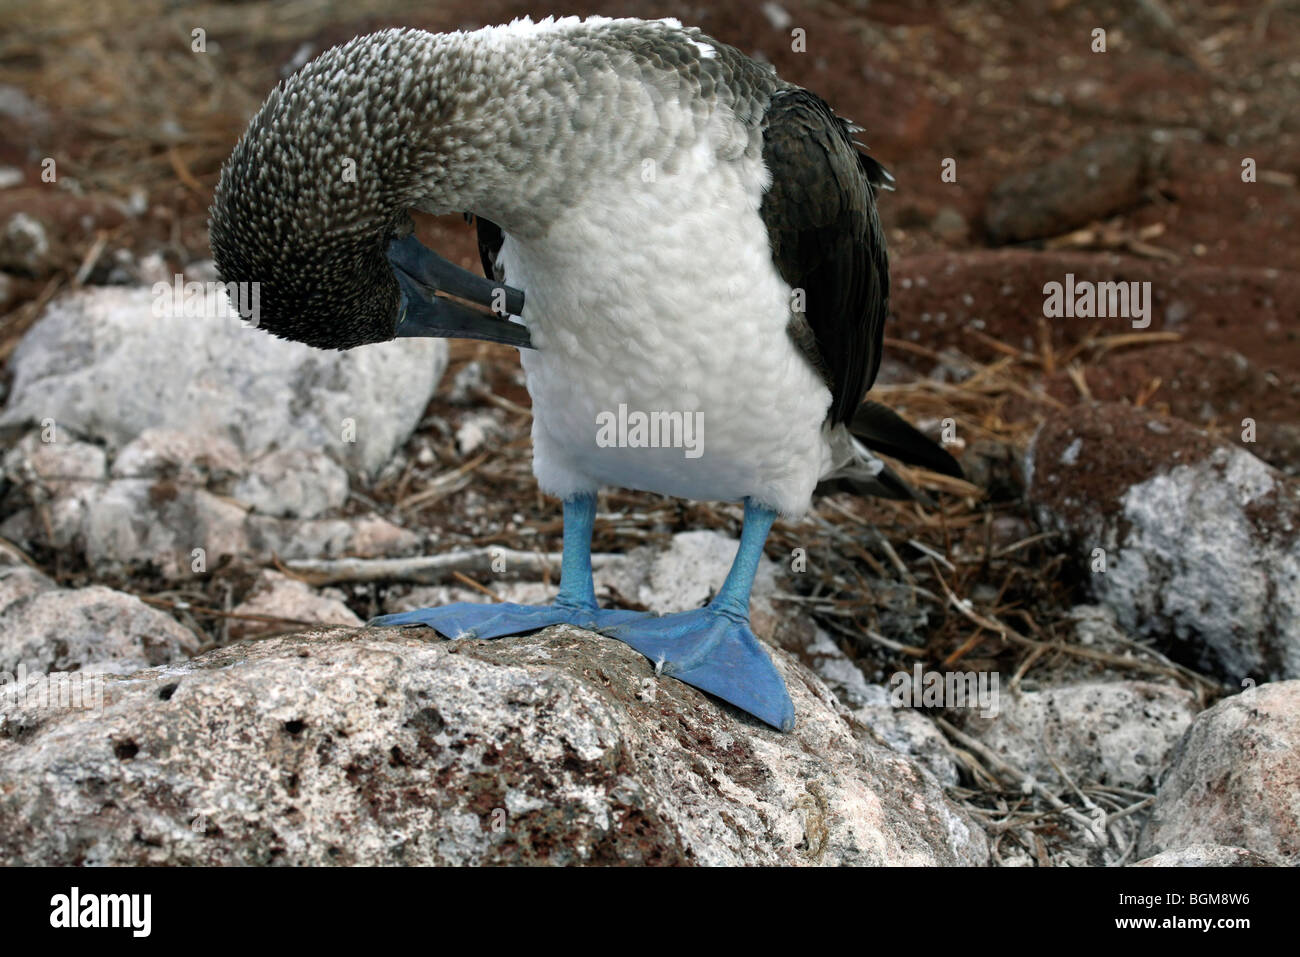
<point x="196" y="519"/>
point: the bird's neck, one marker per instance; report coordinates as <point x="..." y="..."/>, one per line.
<point x="490" y="127"/>
<point x="531" y="116"/>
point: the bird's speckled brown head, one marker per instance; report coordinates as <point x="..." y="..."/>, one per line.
<point x="321" y="182"/>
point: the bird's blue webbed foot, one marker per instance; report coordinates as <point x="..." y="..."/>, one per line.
<point x="574" y="605"/>
<point x="469" y="620"/>
<point x="715" y="652"/>
<point x="713" y="648"/>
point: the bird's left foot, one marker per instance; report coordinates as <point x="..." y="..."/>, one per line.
<point x="715" y="651"/>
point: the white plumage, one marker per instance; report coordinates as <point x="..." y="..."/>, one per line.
<point x="658" y="291"/>
<point x="657" y="321"/>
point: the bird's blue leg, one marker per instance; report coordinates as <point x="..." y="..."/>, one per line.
<point x="713" y="648"/>
<point x="574" y="605"/>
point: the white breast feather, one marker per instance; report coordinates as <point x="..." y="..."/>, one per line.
<point x="658" y="292"/>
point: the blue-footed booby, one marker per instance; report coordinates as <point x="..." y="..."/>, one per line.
<point x="666" y="227"/>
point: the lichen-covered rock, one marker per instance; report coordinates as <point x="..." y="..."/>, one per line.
<point x="1235" y="778"/>
<point x="91" y="629"/>
<point x="1118" y="733"/>
<point x="105" y="363"/>
<point x="684" y="576"/>
<point x="385" y="746"/>
<point x="1209" y="855"/>
<point x="1200" y="540"/>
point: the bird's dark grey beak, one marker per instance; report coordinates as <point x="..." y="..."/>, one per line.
<point x="421" y="273"/>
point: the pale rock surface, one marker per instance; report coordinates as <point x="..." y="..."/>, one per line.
<point x="1117" y="733"/>
<point x="1235" y="778"/>
<point x="92" y="630"/>
<point x="103" y="363"/>
<point x="1208" y="855"/>
<point x="387" y="747"/>
<point x="1201" y="539"/>
<point x="278" y="596"/>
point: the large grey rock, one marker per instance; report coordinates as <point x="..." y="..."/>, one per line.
<point x="1201" y="539"/>
<point x="1235" y="778"/>
<point x="1118" y="733"/>
<point x="91" y="629"/>
<point x="102" y="363"/>
<point x="170" y="501"/>
<point x="383" y="747"/>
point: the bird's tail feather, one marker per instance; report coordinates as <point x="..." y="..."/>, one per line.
<point x="882" y="430"/>
<point x="876" y="428"/>
<point x="861" y="478"/>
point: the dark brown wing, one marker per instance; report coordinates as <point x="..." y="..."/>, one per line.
<point x="820" y="213"/>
